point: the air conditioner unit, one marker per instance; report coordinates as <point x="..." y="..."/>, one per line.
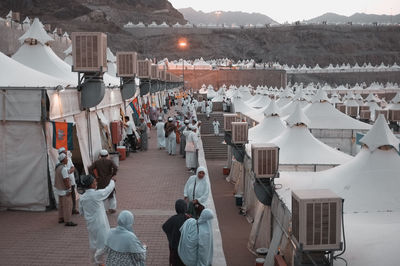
<point x="228" y="119"/>
<point x="384" y="112"/>
<point x="126" y="64"/>
<point x="240" y="132"/>
<point x="394" y="115"/>
<point x="154" y="72"/>
<point x="89" y="51"/>
<point x="352" y="111"/>
<point x="265" y="160"/>
<point x="16" y="17"/>
<point x="341" y="108"/>
<point x="144" y="69"/>
<point x="316" y="220"/>
<point x="365" y="114"/>
<point x="364" y="108"/>
<point x="168" y="76"/>
<point x="163" y="75"/>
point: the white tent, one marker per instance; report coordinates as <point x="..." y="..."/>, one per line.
<point x="299" y="147"/>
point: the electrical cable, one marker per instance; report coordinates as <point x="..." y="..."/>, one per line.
<point x="336" y="257"/>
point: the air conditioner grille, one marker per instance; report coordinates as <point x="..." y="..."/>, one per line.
<point x="332" y="222"/>
<point x="295" y="218"/>
<point x="239" y="132"/>
<point x="89" y="51"/>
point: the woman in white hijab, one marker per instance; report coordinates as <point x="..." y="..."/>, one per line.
<point x="122" y="246"/>
<point x="196" y="242"/>
<point x="196" y="192"/>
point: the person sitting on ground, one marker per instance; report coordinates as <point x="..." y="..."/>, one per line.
<point x="104" y="170"/>
<point x="196" y="192"/>
<point x="63" y="190"/>
<point x="91" y="206"/>
<point x="171" y="228"/>
<point x="123" y="248"/>
<point x="196" y="243"/>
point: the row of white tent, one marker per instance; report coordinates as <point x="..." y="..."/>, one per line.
<point x="373" y="171"/>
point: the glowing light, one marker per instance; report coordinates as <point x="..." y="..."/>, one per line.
<point x="182" y="42"/>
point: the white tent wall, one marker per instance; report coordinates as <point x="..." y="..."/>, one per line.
<point x="260" y="234"/>
<point x="26" y="187"/>
<point x="20" y="104"/>
<point x="64" y="103"/>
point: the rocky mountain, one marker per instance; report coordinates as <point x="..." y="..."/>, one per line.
<point x="355" y="18"/>
<point x="221" y="17"/>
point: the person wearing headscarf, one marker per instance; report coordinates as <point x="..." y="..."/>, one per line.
<point x="172" y="229"/>
<point x="104" y="170"/>
<point x="142" y="127"/>
<point x="191" y="148"/>
<point x="196" y="192"/>
<point x="216" y="127"/>
<point x="62" y="186"/>
<point x="196" y="243"/>
<point x="160" y="133"/>
<point x="170" y="135"/>
<point x="208" y="110"/>
<point x="123" y="248"/>
<point x="203" y="106"/>
<point x="91" y="206"/>
<point x="182" y="144"/>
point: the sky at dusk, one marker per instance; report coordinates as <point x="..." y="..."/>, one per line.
<point x="293" y="10"/>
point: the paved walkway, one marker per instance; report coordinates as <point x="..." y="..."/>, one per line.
<point x="148" y="184"/>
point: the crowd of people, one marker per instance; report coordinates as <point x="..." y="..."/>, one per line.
<point x="189" y="232"/>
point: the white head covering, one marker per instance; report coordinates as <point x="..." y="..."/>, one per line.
<point x="170" y="119"/>
<point x="60" y="150"/>
<point x="103" y="152"/>
<point x="159" y="118"/>
<point x="61" y="157"/>
<point x="187" y="248"/>
<point x="202" y="190"/>
<point x="205" y="252"/>
<point x="122" y="238"/>
<point x="187" y="121"/>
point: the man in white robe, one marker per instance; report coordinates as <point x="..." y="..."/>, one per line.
<point x="216" y="127"/>
<point x="160" y="133"/>
<point x="191" y="148"/>
<point x="91" y="206"/>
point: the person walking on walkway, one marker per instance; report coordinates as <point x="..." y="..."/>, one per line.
<point x="143" y="134"/>
<point x="196" y="192"/>
<point x="123" y="248"/>
<point x="216" y="127"/>
<point x="63" y="190"/>
<point x="196" y="243"/>
<point x="104" y="170"/>
<point x="182" y="131"/>
<point x="91" y="206"/>
<point x="71" y="169"/>
<point x="191" y="148"/>
<point x="130" y="127"/>
<point x="160" y="133"/>
<point x="171" y="136"/>
<point x="208" y="110"/>
<point x="171" y="229"/>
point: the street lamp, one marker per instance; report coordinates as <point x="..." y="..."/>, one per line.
<point x="183" y="44"/>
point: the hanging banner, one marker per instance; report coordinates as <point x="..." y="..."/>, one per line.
<point x="62" y="135"/>
<point x="135" y="107"/>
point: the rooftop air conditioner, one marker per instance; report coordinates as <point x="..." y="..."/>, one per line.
<point x="352" y="111"/>
<point x="394" y="115"/>
<point x="341" y="107"/>
<point x="365" y="114"/>
<point x="126" y="64"/>
<point x="384" y="112"/>
<point x="163" y="75"/>
<point x="240" y="132"/>
<point x="144" y="69"/>
<point x="316" y="220"/>
<point x="364" y="108"/>
<point x="89" y="52"/>
<point x="168" y="76"/>
<point x="228" y="119"/>
<point x="16" y="16"/>
<point x="154" y="72"/>
<point x="265" y="160"/>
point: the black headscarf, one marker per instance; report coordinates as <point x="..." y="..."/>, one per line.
<point x="173" y="224"/>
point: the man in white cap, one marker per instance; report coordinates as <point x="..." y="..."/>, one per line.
<point x="63" y="190"/>
<point x="160" y="133"/>
<point x="170" y="129"/>
<point x="104" y="170"/>
<point x="91" y="206"/>
<point x="71" y="172"/>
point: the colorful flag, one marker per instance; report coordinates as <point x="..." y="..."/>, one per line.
<point x="62" y="135"/>
<point x="135" y="107"/>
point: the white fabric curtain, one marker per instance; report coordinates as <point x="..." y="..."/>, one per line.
<point x="23" y="175"/>
<point x="260" y="233"/>
<point x="20" y="105"/>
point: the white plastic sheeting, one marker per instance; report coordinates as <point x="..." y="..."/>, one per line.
<point x="23" y="175"/>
